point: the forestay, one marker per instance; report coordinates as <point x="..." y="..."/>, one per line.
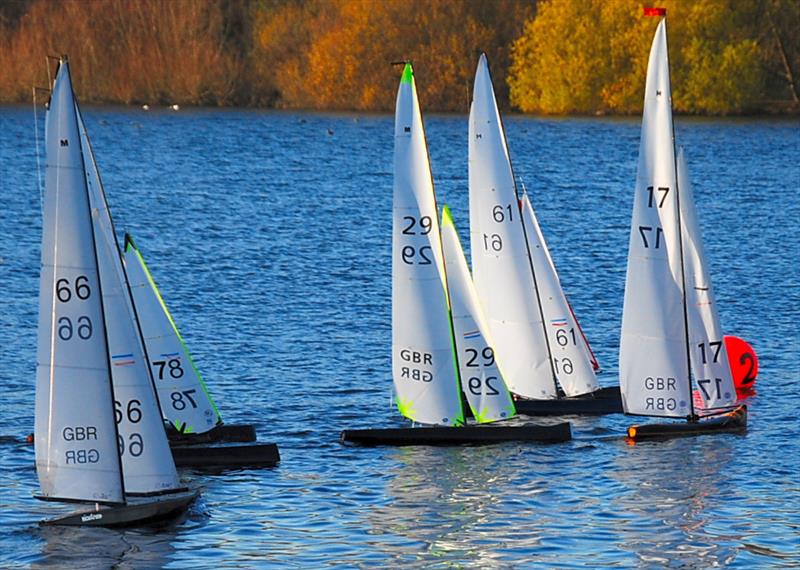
<point x="147" y="463"/>
<point x="709" y="359"/>
<point x="501" y="265"/>
<point x="423" y="361"/>
<point x="654" y="363"/>
<point x="75" y="433"/>
<point x="572" y="361"/>
<point x="185" y="401"/>
<point x="481" y="377"/>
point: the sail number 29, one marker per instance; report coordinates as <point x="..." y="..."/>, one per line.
<point x="417" y="255"/>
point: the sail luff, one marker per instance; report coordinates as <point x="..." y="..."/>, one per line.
<point x="709" y="358"/>
<point x="569" y="353"/>
<point x="184" y="397"/>
<point x="654" y="368"/>
<point x="76" y="445"/>
<point x="147" y="463"/>
<point x="680" y="233"/>
<point x="501" y="263"/>
<point x="423" y="364"/>
<point x="479" y="371"/>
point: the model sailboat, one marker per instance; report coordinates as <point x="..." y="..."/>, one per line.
<point x="189" y="410"/>
<point x="440" y="343"/>
<point x="670" y="326"/>
<point x="539" y="343"/>
<point x="98" y="432"/>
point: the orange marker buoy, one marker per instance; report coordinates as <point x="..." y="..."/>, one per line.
<point x="743" y="361"/>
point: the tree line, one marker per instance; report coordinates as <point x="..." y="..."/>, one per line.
<point x="550" y="56"/>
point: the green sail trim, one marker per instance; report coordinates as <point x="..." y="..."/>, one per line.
<point x="408" y="74"/>
<point x="406" y="409"/>
<point x="480" y="415"/>
<point x="131" y="246"/>
<point x="447" y="218"/>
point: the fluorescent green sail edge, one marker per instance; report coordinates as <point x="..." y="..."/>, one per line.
<point x="447" y="218"/>
<point x="408" y="74"/>
<point x="406" y="408"/>
<point x="129" y="245"/>
<point x="181" y="428"/>
<point x="480" y="415"/>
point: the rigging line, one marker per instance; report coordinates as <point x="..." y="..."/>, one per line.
<point x="535" y="282"/>
<point x="38" y="159"/>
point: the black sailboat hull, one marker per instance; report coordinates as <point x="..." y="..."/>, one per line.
<point x="136" y="513"/>
<point x="734" y="421"/>
<point x="213" y="455"/>
<point x="474" y="435"/>
<point x="225" y="433"/>
<point x="607" y="400"/>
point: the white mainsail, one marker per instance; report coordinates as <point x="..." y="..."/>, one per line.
<point x="653" y="360"/>
<point x="147" y="463"/>
<point x="481" y="378"/>
<point x="709" y="359"/>
<point x="423" y="361"/>
<point x="75" y="433"/>
<point x="572" y="360"/>
<point x="501" y="264"/>
<point x="185" y="401"/>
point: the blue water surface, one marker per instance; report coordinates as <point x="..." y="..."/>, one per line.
<point x="269" y="236"/>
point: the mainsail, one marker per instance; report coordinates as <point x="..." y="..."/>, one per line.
<point x="654" y="359"/>
<point x="75" y="432"/>
<point x="423" y="361"/>
<point x="501" y="263"/>
<point x="481" y="378"/>
<point x="710" y="367"/>
<point x="147" y="463"/>
<point x="185" y="401"/>
<point x="572" y="360"/>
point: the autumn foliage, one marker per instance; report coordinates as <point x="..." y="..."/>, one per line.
<point x="550" y="56"/>
<point x="726" y="56"/>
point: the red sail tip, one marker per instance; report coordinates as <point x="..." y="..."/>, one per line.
<point x="655" y="11"/>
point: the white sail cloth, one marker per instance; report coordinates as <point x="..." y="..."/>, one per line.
<point x="185" y="401"/>
<point x="501" y="264"/>
<point x="481" y="378"/>
<point x="572" y="361"/>
<point x="423" y="367"/>
<point x="75" y="432"/>
<point x="709" y="358"/>
<point x="670" y="329"/>
<point x="147" y="463"/>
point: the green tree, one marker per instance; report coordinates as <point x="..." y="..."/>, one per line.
<point x="591" y="56"/>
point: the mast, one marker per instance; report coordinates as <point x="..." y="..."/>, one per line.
<point x="653" y="363"/>
<point x="501" y="258"/>
<point x="692" y="416"/>
<point x="132" y="305"/>
<point x="77" y="451"/>
<point x="530" y="254"/>
<point x="99" y="286"/>
<point x="535" y="284"/>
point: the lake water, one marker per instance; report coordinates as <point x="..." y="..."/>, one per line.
<point x="269" y="236"/>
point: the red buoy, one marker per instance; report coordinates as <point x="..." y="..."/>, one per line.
<point x="744" y="363"/>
